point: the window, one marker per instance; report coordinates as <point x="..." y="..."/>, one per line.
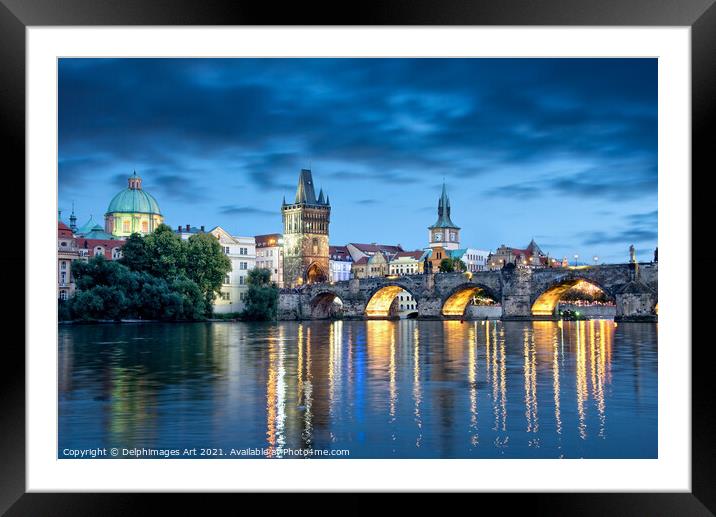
<point x="99" y="251"/>
<point x="226" y="250"/>
<point x="315" y="246"/>
<point x="225" y="296"/>
<point x="63" y="265"/>
<point x="125" y="225"/>
<point x="243" y="265"/>
<point x="116" y="253"/>
<point x="145" y="226"/>
<point x="242" y="296"/>
<point x="227" y="279"/>
<point x="63" y="278"/>
<point x="242" y="280"/>
<point x="63" y="295"/>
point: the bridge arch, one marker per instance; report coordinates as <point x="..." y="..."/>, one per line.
<point x="381" y="300"/>
<point x="457" y="300"/>
<point x="545" y="300"/>
<point x="325" y="305"/>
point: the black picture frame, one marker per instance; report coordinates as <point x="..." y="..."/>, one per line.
<point x="16" y="15"/>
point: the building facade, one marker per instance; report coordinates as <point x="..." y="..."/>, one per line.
<point x="340" y="262"/>
<point x="444" y="233"/>
<point x="269" y="255"/>
<point x="530" y="257"/>
<point x="242" y="254"/>
<point x="305" y="235"/>
<point x="407" y="263"/>
<point x="132" y="210"/>
<point x="67" y="253"/>
<point x="475" y="260"/>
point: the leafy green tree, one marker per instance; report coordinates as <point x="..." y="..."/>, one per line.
<point x="459" y="265"/>
<point x="206" y="266"/>
<point x="449" y="265"/>
<point x="110" y="290"/>
<point x="162" y="253"/>
<point x="262" y="297"/>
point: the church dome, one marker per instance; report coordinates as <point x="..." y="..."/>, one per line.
<point x="134" y="200"/>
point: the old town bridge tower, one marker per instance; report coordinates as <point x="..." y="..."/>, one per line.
<point x="305" y="235"/>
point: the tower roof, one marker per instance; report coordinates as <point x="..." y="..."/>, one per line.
<point x="444" y="220"/>
<point x="88" y="226"/>
<point x="305" y="192"/>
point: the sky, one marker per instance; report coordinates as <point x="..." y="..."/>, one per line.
<point x="560" y="150"/>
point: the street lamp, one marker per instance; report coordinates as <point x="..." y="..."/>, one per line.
<point x="575" y="259"/>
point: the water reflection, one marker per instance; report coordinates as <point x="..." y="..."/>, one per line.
<point x="382" y="389"/>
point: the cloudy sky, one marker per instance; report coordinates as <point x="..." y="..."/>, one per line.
<point x="562" y="150"/>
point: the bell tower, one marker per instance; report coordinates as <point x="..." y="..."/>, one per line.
<point x="305" y="234"/>
<point x="444" y="233"/>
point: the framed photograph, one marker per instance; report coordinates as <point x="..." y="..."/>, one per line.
<point x="416" y="251"/>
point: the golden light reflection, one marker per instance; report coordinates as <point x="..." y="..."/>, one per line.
<point x="299" y="367"/>
<point x="271" y="399"/>
<point x="379" y="304"/>
<point x="417" y="393"/>
<point x="582" y="391"/>
<point x="472" y="378"/>
<point x="335" y="363"/>
<point x="530" y="375"/>
<point x="307" y="435"/>
<point x="393" y="387"/>
<point x="555" y="383"/>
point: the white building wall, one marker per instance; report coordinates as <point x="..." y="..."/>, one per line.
<point x="340" y="270"/>
<point x="242" y="254"/>
<point x="475" y="259"/>
<point x="271" y="258"/>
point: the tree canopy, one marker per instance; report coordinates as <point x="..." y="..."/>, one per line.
<point x="163" y="254"/>
<point x="262" y="297"/>
<point x="450" y="264"/>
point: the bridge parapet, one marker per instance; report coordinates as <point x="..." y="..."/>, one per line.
<point x="523" y="293"/>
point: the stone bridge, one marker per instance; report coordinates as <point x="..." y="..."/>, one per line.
<point x="523" y="294"/>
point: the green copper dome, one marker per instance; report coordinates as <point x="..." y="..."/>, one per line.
<point x="134" y="200"/>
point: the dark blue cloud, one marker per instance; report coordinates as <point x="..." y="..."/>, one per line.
<point x="512" y="138"/>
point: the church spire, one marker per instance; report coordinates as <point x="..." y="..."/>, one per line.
<point x="444" y="220"/>
<point x="73" y="219"/>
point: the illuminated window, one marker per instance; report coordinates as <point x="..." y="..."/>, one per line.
<point x="125" y="225"/>
<point x="145" y="226"/>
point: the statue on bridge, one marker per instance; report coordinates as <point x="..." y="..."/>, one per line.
<point x="632" y="254"/>
<point x="427" y="266"/>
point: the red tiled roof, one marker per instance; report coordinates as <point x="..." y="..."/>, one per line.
<point x="413" y="254"/>
<point x="361" y="261"/>
<point x="372" y="248"/>
<point x="91" y="244"/>
<point x="339" y="253"/>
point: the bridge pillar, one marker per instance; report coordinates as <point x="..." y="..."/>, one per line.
<point x="517" y="294"/>
<point x="635" y="302"/>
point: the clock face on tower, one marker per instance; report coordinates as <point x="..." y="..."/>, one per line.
<point x="438" y="236"/>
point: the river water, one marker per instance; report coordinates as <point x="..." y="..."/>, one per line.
<point x="361" y="389"/>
